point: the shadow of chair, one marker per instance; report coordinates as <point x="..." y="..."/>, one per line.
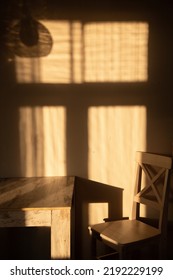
<point x="151" y="189"/>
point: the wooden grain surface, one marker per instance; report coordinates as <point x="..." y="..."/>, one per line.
<point x="29" y="193"/>
<point x="18" y="218"/>
<point x="60" y="234"/>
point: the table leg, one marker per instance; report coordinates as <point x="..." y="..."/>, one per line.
<point x="60" y="234"/>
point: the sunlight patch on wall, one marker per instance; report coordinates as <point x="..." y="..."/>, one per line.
<point x="42" y="141"/>
<point x="54" y="68"/>
<point x="114" y="134"/>
<point x="116" y="51"/>
<point x="89" y="52"/>
<point x="97" y="211"/>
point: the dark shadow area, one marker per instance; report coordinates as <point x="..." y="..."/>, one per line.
<point x="25" y="243"/>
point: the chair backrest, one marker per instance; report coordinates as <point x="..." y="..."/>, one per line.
<point x="151" y="184"/>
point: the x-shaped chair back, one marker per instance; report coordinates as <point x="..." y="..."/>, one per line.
<point x="151" y="184"/>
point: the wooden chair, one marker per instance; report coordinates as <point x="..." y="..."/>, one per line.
<point x="151" y="190"/>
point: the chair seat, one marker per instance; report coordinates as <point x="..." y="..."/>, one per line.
<point x="124" y="231"/>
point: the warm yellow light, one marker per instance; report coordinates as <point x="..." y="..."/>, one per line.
<point x="97" y="211"/>
<point x="42" y="141"/>
<point x="116" y="51"/>
<point x="90" y="52"/>
<point x="114" y="134"/>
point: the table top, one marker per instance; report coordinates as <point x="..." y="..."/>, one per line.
<point x="26" y="193"/>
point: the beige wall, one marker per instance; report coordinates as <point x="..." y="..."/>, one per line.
<point x="58" y="117"/>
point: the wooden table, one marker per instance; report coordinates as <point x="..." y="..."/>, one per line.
<point x="39" y="202"/>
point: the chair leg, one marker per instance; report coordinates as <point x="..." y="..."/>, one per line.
<point x="122" y="253"/>
<point x="93" y="247"/>
<point x="162" y="249"/>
